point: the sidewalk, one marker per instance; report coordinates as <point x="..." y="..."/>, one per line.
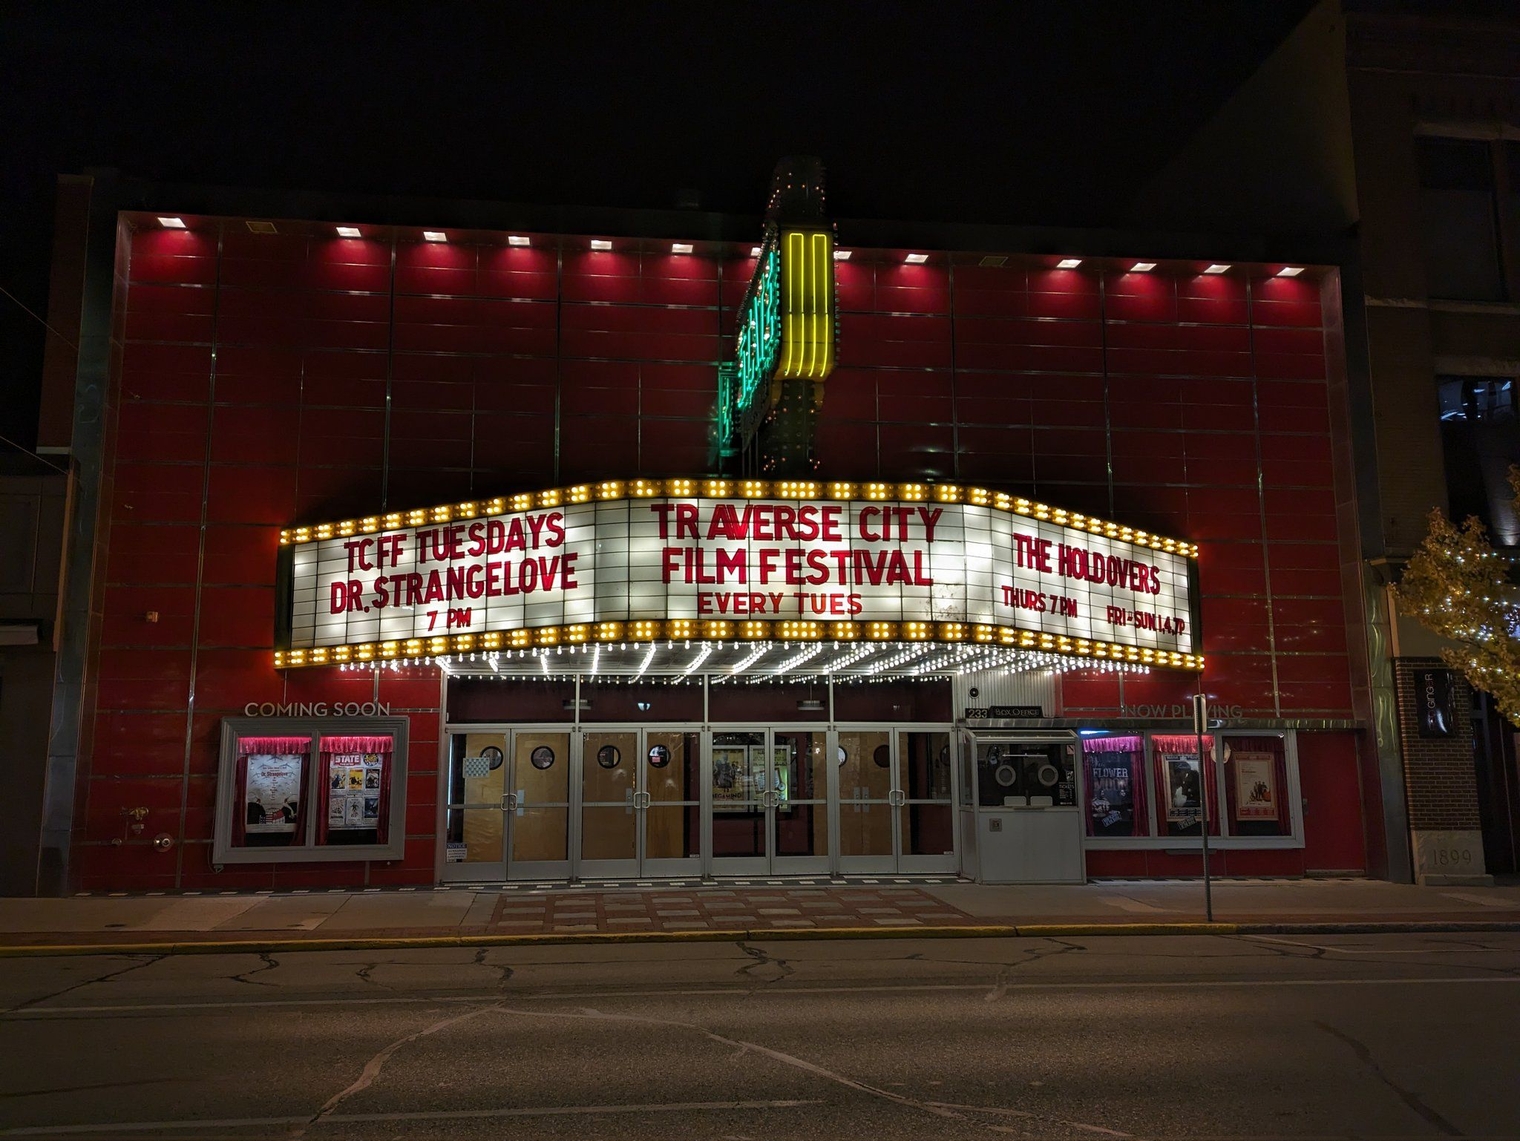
<point x="755" y="909"/>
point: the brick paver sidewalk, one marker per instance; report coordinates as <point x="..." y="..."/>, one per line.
<point x="723" y="909"/>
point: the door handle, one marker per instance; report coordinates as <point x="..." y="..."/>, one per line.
<point x="641" y="800"/>
<point x="509" y="800"/>
<point x="896" y="798"/>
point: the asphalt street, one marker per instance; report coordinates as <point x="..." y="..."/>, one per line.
<point x="1366" y="1036"/>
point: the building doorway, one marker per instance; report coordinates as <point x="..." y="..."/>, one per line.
<point x="640" y="796"/>
<point x="508" y="810"/>
<point x="770" y="792"/>
<point x="896" y="801"/>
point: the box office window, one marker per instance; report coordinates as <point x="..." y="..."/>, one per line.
<point x="292" y="790"/>
<point x="1113" y="774"/>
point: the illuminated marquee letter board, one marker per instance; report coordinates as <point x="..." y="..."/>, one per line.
<point x="736" y="559"/>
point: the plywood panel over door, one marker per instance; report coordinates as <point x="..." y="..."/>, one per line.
<point x="540" y="830"/>
<point x="865" y="779"/>
<point x="483" y="826"/>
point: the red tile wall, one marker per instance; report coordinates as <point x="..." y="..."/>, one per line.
<point x="267" y="380"/>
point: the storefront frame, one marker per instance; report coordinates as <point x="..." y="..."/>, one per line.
<point x="706" y="865"/>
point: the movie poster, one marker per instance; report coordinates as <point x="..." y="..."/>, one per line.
<point x="1184" y="789"/>
<point x="730" y="778"/>
<point x="1255" y="785"/>
<point x="353" y="796"/>
<point x="272" y="792"/>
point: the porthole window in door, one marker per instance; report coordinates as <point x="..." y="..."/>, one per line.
<point x="542" y="757"/>
<point x="659" y="756"/>
<point x="608" y="756"/>
<point x="492" y="756"/>
<point x="882" y="755"/>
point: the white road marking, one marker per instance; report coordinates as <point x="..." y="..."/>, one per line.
<point x="418" y="1115"/>
<point x="1379" y="951"/>
<point x="771" y="992"/>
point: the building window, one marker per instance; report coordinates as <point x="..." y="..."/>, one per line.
<point x="1480" y="439"/>
<point x="1459" y="220"/>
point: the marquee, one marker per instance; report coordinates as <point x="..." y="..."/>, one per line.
<point x="724" y="560"/>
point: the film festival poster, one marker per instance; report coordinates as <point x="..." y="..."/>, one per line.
<point x="272" y="792"/>
<point x="1255" y="785"/>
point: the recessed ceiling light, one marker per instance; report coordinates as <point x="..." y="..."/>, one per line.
<point x="600" y="244"/>
<point x="993" y="260"/>
<point x="1142" y="267"/>
<point x="1290" y="271"/>
<point x="916" y="259"/>
<point x="680" y="247"/>
<point x="348" y="231"/>
<point x="1068" y="263"/>
<point x="434" y="236"/>
<point x="260" y="227"/>
<point x="754" y="252"/>
<point x="844" y="255"/>
<point x="1217" y="269"/>
<point x="172" y="223"/>
<point x="518" y="240"/>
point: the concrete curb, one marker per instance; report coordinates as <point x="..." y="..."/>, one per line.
<point x="983" y="931"/>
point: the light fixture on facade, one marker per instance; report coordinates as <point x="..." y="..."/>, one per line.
<point x="518" y="240"/>
<point x="348" y="231"/>
<point x="1068" y="263"/>
<point x="600" y="244"/>
<point x="1290" y="271"/>
<point x="1217" y="269"/>
<point x="916" y="259"/>
<point x="434" y="236"/>
<point x="754" y="251"/>
<point x="1142" y="267"/>
<point x="810" y="705"/>
<point x="844" y="255"/>
<point x="172" y="223"/>
<point x="680" y="247"/>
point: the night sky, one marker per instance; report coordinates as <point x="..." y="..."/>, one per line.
<point x="1029" y="112"/>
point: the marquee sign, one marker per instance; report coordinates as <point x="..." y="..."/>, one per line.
<point x="721" y="560"/>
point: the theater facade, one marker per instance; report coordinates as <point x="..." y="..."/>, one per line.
<point x="463" y="548"/>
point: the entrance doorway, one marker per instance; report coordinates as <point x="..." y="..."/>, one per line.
<point x="641" y="803"/>
<point x="896" y="801"/>
<point x="508" y="811"/>
<point x="770" y="801"/>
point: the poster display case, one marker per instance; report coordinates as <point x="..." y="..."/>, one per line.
<point x="1144" y="789"/>
<point x="295" y="790"/>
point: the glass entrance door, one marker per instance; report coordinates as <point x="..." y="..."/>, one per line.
<point x="770" y="802"/>
<point x="896" y="801"/>
<point x="926" y="802"/>
<point x="508" y="815"/>
<point x="867" y="801"/>
<point x="640" y="803"/>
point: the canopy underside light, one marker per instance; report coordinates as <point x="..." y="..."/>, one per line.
<point x="742" y="662"/>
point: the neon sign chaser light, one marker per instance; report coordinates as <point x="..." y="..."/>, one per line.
<point x="736" y="560"/>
